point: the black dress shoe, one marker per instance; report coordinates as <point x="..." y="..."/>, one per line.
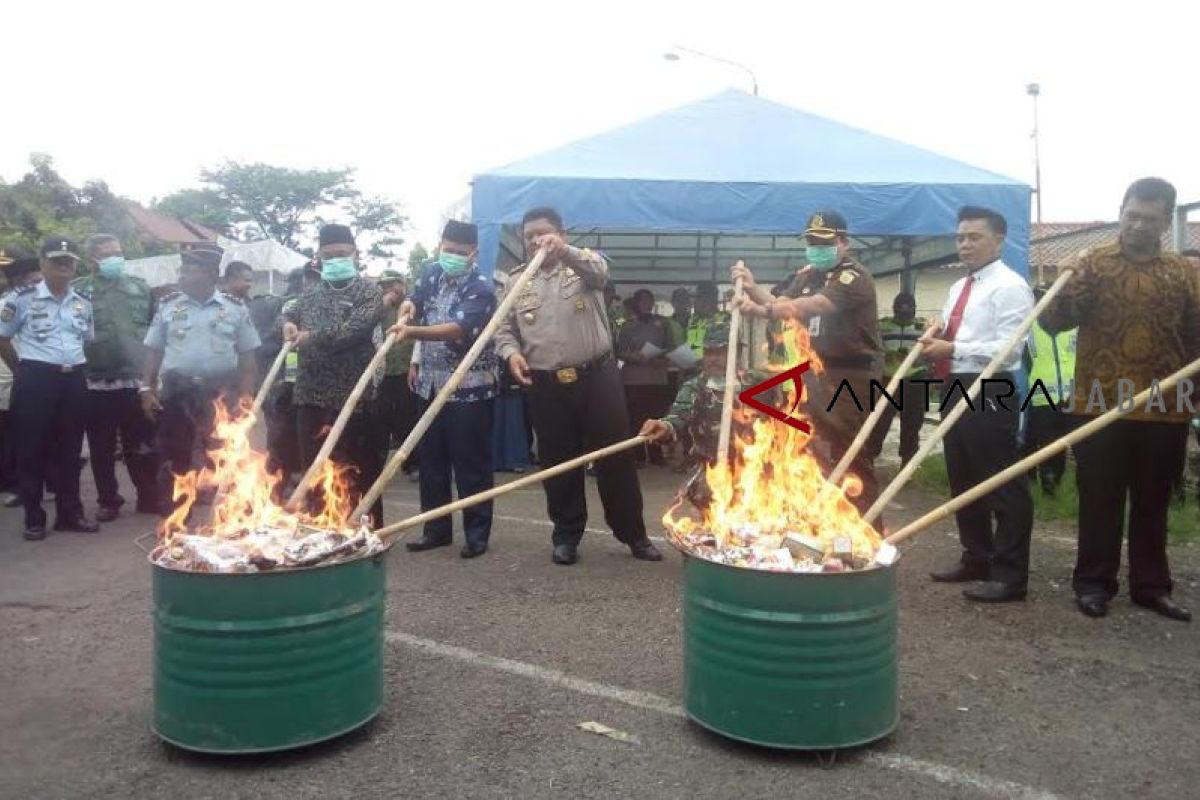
<point x="1165" y="606"/>
<point x="565" y="554"/>
<point x="961" y="573"/>
<point x="107" y="513"/>
<point x="77" y="525"/>
<point x="1094" y="606"/>
<point x="645" y="551"/>
<point x="995" y="592"/>
<point x="35" y="533"/>
<point x="425" y="543"/>
<point x="472" y="550"/>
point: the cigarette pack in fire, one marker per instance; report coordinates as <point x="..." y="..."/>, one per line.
<point x="804" y="546"/>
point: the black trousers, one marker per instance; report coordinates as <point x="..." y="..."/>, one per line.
<point x="643" y="403"/>
<point x="913" y="407"/>
<point x="283" y="442"/>
<point x="398" y="410"/>
<point x="575" y="418"/>
<point x="1134" y="460"/>
<point x="8" y="465"/>
<point x="185" y="427"/>
<point x="357" y="448"/>
<point x="49" y="409"/>
<point x="1044" y="425"/>
<point x="996" y="529"/>
<point x="458" y="445"/>
<point x="118" y="413"/>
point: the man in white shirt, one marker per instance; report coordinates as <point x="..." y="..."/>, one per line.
<point x="981" y="313"/>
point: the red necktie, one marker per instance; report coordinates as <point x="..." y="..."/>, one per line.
<point x="942" y="368"/>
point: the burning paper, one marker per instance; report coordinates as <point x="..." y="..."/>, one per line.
<point x="771" y="507"/>
<point x="248" y="531"/>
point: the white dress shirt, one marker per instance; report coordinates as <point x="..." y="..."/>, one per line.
<point x="999" y="302"/>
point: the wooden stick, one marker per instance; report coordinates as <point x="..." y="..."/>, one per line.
<point x="865" y="432"/>
<point x="343" y="418"/>
<point x="483" y="340"/>
<point x="1030" y="461"/>
<point x="949" y="419"/>
<point x="735" y="324"/>
<point x="269" y="380"/>
<point x="496" y="491"/>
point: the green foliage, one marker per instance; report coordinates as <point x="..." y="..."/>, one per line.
<point x="203" y="206"/>
<point x="417" y="257"/>
<point x="43" y="204"/>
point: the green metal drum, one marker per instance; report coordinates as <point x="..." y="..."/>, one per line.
<point x="256" y="662"/>
<point x="802" y="661"/>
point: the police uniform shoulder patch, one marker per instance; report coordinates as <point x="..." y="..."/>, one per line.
<point x="847" y="277"/>
<point x="231" y="298"/>
<point x="170" y="296"/>
<point x="25" y="289"/>
<point x="85" y="293"/>
<point x="8" y="311"/>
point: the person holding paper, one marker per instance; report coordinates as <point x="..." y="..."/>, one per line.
<point x="643" y="344"/>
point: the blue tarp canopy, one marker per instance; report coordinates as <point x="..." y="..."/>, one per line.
<point x="735" y="165"/>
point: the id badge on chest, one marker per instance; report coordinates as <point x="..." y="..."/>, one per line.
<point x="814" y="327"/>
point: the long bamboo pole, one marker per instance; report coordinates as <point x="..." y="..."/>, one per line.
<point x="952" y="417"/>
<point x="269" y="380"/>
<point x="339" y="424"/>
<point x="735" y="325"/>
<point x="536" y="477"/>
<point x="1032" y="460"/>
<point x="483" y="340"/>
<point x="869" y="425"/>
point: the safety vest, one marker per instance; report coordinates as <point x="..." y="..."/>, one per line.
<point x="1053" y="365"/>
<point x="697" y="329"/>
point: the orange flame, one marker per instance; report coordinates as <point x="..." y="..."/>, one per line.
<point x="246" y="488"/>
<point x="772" y="484"/>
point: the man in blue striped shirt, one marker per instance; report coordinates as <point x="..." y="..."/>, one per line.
<point x="450" y="305"/>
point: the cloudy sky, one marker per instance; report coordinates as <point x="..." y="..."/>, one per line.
<point x="419" y="96"/>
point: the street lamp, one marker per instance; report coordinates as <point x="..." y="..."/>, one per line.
<point x="673" y="55"/>
<point x="1033" y="90"/>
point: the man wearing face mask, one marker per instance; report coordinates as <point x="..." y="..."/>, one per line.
<point x="122" y="308"/>
<point x="331" y="326"/>
<point x="450" y="305"/>
<point x="834" y="297"/>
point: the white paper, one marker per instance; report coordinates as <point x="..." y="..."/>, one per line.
<point x="683" y="357"/>
<point x="649" y="350"/>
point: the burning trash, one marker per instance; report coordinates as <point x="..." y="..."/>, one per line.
<point x="248" y="531"/>
<point x="769" y="506"/>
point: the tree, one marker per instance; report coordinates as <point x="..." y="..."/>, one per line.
<point x="250" y="201"/>
<point x="204" y="206"/>
<point x="43" y="204"/>
<point x="416" y="259"/>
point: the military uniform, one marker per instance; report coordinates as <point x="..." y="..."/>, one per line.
<point x="847" y="342"/>
<point x="50" y="395"/>
<point x="560" y="325"/>
<point x="340" y="322"/>
<point x="122" y="310"/>
<point x="201" y="341"/>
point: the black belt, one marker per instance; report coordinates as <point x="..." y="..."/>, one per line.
<point x="46" y="366"/>
<point x="570" y="374"/>
<point x="177" y="382"/>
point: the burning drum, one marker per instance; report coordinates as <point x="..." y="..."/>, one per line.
<point x="268" y="621"/>
<point x="254" y="662"/>
<point x="790" y="660"/>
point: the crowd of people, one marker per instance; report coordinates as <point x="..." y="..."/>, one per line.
<point x="96" y="354"/>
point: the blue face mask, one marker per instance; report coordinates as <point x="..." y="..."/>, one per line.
<point x="454" y="264"/>
<point x="822" y="257"/>
<point x="112" y="267"/>
<point x="338" y="269"/>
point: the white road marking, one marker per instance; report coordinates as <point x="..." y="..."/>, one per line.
<point x="942" y="773"/>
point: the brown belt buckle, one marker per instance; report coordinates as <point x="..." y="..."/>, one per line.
<point x="66" y="368"/>
<point x="567" y="375"/>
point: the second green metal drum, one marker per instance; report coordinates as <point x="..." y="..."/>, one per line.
<point x="791" y="660"/>
<point x="267" y="661"/>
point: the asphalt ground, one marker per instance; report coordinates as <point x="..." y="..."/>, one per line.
<point x="493" y="663"/>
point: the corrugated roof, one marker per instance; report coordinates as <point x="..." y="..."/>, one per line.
<point x="163" y="228"/>
<point x="1051" y="242"/>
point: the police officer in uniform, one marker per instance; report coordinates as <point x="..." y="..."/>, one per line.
<point x="557" y="342"/>
<point x="201" y="344"/>
<point x="52" y="321"/>
<point x="122" y="307"/>
<point x="834" y="296"/>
